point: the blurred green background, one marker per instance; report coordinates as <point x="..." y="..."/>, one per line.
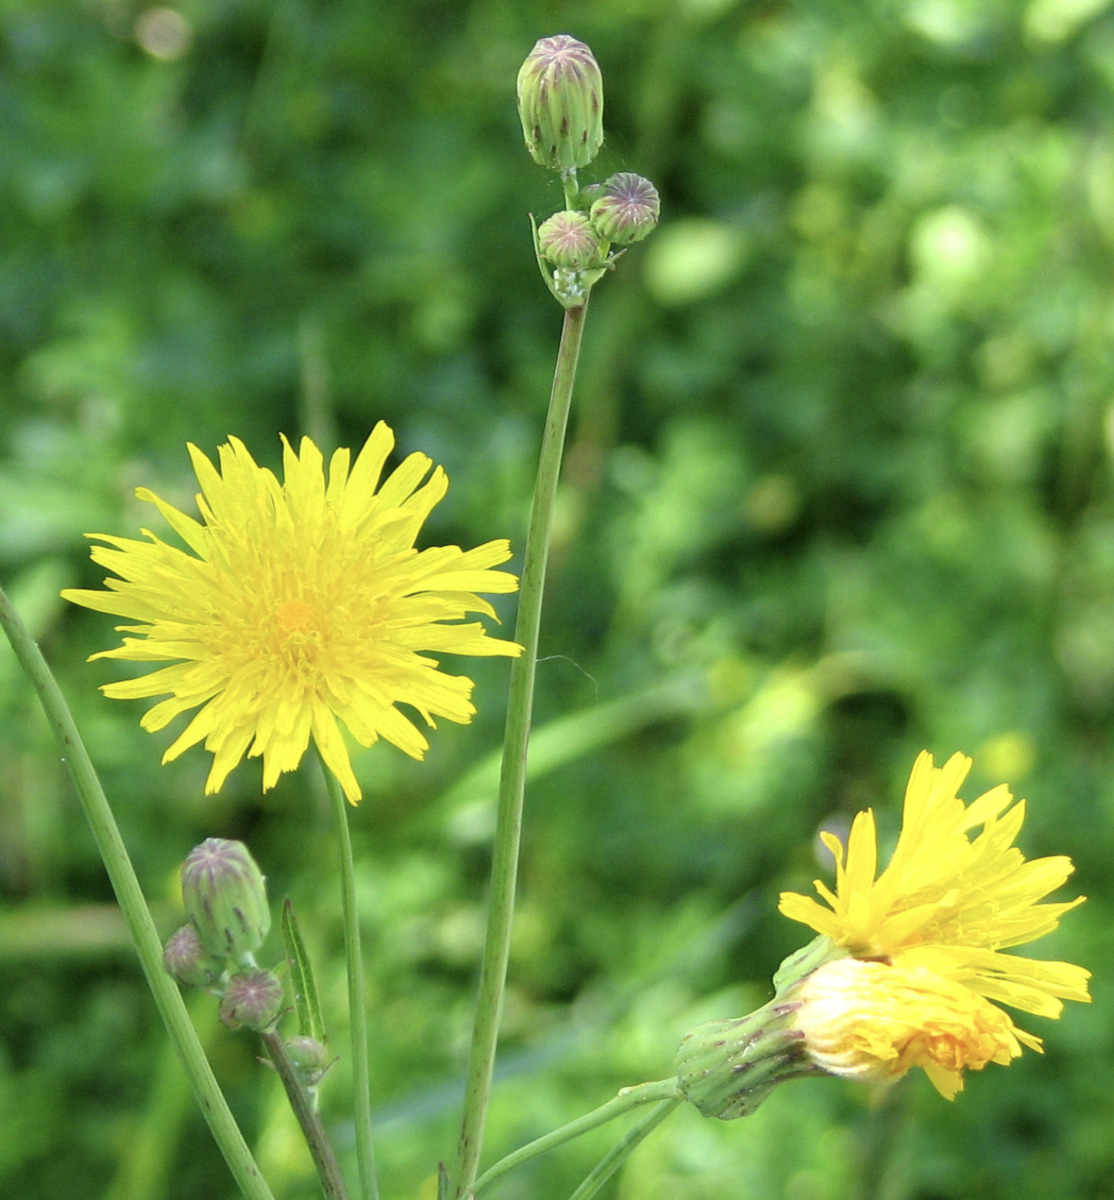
<point x="838" y="489"/>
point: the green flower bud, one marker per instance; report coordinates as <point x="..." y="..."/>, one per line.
<point x="307" y="1053"/>
<point x="188" y="961"/>
<point x="310" y="1059"/>
<point x="226" y="899"/>
<point x="627" y="209"/>
<point x="253" y="999"/>
<point x="568" y="240"/>
<point x="560" y="103"/>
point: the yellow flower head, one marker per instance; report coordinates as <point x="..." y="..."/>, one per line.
<point x="303" y="604"/>
<point x="937" y="919"/>
<point x="872" y="1022"/>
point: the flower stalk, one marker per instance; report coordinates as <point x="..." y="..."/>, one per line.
<point x="622" y="1150"/>
<point x="512" y="783"/>
<point x="321" y="1150"/>
<point x="627" y="1099"/>
<point x="136" y="914"/>
<point x="357" y="1011"/>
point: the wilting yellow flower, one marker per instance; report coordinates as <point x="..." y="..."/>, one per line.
<point x="303" y="604"/>
<point x="931" y="929"/>
<point x="872" y="1021"/>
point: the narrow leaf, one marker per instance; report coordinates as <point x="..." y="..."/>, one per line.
<point x="307" y="1003"/>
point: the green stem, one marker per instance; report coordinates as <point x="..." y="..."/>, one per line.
<point x="332" y="1183"/>
<point x="129" y="895"/>
<point x="512" y="782"/>
<point x="357" y="1011"/>
<point x="627" y="1099"/>
<point x="622" y="1150"/>
<point x="571" y="188"/>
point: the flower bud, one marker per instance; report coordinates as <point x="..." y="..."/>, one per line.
<point x="188" y="961"/>
<point x="225" y="898"/>
<point x="568" y="240"/>
<point x="307" y="1053"/>
<point x="310" y="1059"/>
<point x="560" y="103"/>
<point x="253" y="999"/>
<point x="627" y="209"/>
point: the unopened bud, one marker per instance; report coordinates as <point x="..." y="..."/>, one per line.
<point x="225" y="898"/>
<point x="188" y="961"/>
<point x="310" y="1059"/>
<point x="252" y="998"/>
<point x="568" y="240"/>
<point x="627" y="209"/>
<point x="560" y="103"/>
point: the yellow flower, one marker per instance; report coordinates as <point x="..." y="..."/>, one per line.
<point x="303" y="604"/>
<point x="871" y="1021"/>
<point x="936" y="920"/>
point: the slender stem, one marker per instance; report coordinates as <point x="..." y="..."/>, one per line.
<point x="129" y="895"/>
<point x="621" y="1151"/>
<point x="629" y="1098"/>
<point x="357" y="1011"/>
<point x="332" y="1183"/>
<point x="571" y="187"/>
<point x="512" y="782"/>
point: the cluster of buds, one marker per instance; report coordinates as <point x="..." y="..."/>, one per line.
<point x="560" y="104"/>
<point x="225" y="897"/>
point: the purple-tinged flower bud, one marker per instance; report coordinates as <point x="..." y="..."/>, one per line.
<point x="627" y="209"/>
<point x="252" y="998"/>
<point x="225" y="898"/>
<point x="568" y="240"/>
<point x="188" y="961"/>
<point x="560" y="103"/>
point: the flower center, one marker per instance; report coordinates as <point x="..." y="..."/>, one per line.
<point x="298" y="634"/>
<point x="296" y="616"/>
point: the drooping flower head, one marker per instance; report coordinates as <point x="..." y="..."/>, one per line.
<point x="924" y="940"/>
<point x="301" y="606"/>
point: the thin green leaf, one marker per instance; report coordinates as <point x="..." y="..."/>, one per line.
<point x="307" y="1003"/>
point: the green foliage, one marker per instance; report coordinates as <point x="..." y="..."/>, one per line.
<point x="303" y="984"/>
<point x="839" y="488"/>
